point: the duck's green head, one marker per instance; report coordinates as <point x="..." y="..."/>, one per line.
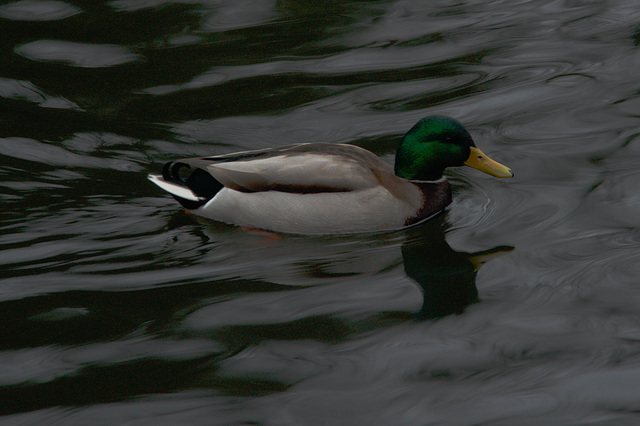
<point x="436" y="143"/>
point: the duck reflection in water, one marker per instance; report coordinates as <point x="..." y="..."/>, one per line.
<point x="446" y="277"/>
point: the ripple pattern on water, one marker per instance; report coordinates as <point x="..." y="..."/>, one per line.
<point x="24" y="90"/>
<point x="33" y="10"/>
<point x="77" y="54"/>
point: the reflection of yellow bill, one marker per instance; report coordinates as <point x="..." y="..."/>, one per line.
<point x="478" y="160"/>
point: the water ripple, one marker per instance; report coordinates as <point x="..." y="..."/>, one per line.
<point x="218" y="15"/>
<point x="48" y="364"/>
<point x="39" y="152"/>
<point x="25" y="90"/>
<point x="77" y="54"/>
<point x="32" y="10"/>
<point x="352" y="64"/>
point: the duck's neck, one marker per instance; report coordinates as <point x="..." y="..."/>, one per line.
<point x="436" y="197"/>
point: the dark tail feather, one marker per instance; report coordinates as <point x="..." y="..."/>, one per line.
<point x="199" y="182"/>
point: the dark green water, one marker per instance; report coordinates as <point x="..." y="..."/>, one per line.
<point x="116" y="307"/>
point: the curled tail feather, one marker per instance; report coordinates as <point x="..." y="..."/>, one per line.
<point x="192" y="192"/>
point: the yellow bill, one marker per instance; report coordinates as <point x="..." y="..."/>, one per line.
<point x="478" y="160"/>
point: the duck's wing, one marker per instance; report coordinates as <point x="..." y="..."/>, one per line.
<point x="304" y="168"/>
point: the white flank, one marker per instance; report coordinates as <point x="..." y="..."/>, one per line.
<point x="372" y="209"/>
<point x="172" y="188"/>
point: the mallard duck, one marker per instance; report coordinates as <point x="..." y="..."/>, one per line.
<point x="324" y="188"/>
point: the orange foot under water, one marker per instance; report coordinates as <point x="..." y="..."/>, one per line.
<point x="262" y="233"/>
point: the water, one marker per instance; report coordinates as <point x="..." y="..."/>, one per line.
<point x="117" y="307"/>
